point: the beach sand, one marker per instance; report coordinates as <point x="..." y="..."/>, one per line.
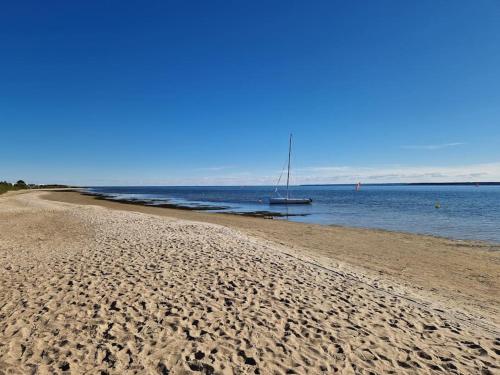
<point x="91" y="286"/>
<point x="461" y="274"/>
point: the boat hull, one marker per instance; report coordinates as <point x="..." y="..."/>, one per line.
<point x="290" y="201"/>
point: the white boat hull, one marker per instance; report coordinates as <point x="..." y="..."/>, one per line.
<point x="290" y="200"/>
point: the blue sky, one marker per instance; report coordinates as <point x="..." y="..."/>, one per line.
<point x="206" y="92"/>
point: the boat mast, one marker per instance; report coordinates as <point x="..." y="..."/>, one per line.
<point x="288" y="174"/>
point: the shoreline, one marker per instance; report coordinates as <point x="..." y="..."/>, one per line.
<point x="200" y="207"/>
<point x="453" y="272"/>
<point x="267" y="214"/>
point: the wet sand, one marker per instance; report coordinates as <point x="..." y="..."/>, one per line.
<point x="89" y="286"/>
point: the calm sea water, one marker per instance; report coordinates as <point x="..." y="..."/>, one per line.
<point x="467" y="212"/>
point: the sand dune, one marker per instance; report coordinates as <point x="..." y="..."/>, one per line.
<point x="85" y="289"/>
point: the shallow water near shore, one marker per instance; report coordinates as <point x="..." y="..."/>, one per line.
<point x="466" y="212"/>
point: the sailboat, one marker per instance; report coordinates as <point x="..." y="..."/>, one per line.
<point x="287" y="199"/>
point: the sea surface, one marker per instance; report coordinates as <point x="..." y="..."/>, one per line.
<point x="465" y="212"/>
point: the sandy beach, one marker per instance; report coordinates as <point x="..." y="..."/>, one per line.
<point x="90" y="286"/>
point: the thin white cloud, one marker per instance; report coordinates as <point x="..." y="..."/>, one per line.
<point x="310" y="175"/>
<point x="432" y="147"/>
<point x="400" y="173"/>
<point x="348" y="174"/>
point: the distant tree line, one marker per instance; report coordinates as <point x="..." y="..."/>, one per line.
<point x="19" y="185"/>
<point x="6" y="186"/>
